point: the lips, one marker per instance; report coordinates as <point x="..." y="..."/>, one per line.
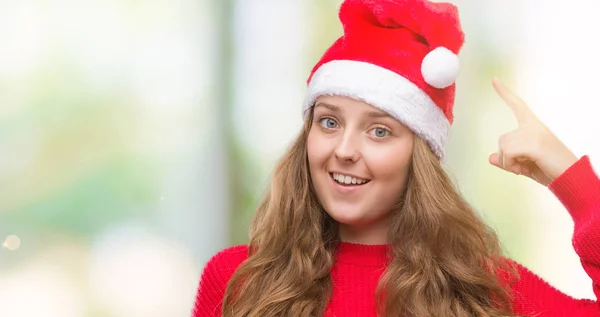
<point x="348" y="180"/>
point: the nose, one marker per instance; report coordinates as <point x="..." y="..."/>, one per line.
<point x="348" y="148"/>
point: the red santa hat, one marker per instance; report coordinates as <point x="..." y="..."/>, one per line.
<point x="399" y="56"/>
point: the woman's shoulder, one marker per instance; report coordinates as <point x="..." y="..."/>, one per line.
<point x="233" y="252"/>
<point x="214" y="279"/>
<point x="226" y="261"/>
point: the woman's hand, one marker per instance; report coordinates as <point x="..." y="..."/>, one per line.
<point x="532" y="149"/>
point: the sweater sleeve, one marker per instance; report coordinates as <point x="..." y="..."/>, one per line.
<point x="578" y="189"/>
<point x="214" y="279"/>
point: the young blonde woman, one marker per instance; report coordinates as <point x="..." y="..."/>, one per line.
<point x="362" y="220"/>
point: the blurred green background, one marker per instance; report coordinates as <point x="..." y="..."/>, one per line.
<point x="136" y="138"/>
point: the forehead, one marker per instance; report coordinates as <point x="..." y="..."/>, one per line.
<point x="345" y="104"/>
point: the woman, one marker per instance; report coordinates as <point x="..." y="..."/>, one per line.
<point x="361" y="219"/>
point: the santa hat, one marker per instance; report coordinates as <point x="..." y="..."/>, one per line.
<point x="399" y="56"/>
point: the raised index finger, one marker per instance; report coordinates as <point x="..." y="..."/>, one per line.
<point x="518" y="106"/>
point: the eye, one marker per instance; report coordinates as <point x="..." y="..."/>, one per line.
<point x="328" y="123"/>
<point x="380" y="132"/>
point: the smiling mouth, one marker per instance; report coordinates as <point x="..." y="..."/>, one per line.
<point x="348" y="180"/>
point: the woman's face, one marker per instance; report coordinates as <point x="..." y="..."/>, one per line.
<point x="359" y="158"/>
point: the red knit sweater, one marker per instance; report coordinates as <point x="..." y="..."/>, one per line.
<point x="357" y="268"/>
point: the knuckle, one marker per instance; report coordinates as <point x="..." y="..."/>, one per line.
<point x="509" y="153"/>
<point x="503" y="140"/>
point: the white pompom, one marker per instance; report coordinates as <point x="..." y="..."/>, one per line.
<point x="440" y="67"/>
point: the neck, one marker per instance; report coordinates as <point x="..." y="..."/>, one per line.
<point x="372" y="234"/>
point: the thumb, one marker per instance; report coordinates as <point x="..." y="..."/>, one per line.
<point x="494" y="159"/>
<point x="514" y="168"/>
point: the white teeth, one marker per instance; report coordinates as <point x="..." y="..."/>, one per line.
<point x="348" y="180"/>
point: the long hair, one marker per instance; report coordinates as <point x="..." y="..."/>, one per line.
<point x="445" y="260"/>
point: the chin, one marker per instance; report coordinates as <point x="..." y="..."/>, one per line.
<point x="348" y="216"/>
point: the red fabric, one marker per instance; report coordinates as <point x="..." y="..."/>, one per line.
<point x="397" y="35"/>
<point x="358" y="267"/>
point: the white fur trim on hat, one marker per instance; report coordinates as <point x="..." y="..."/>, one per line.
<point x="385" y="90"/>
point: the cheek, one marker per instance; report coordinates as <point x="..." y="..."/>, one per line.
<point x="311" y="149"/>
<point x="391" y="164"/>
<point x="318" y="150"/>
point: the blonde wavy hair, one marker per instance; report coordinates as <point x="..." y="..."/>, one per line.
<point x="445" y="260"/>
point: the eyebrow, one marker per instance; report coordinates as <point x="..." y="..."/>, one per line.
<point x="329" y="106"/>
<point x="378" y="114"/>
<point x="371" y="114"/>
